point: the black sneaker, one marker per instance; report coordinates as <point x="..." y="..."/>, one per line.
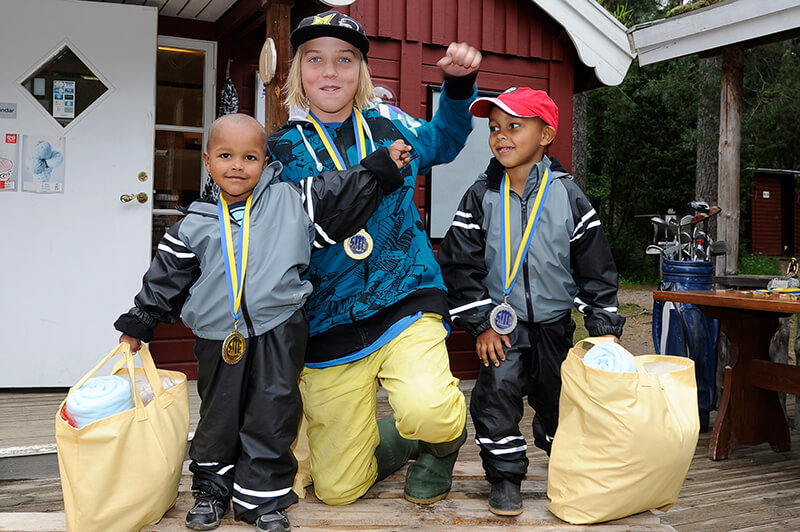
<point x="505" y="498"/>
<point x="273" y="522"/>
<point x="207" y="512"/>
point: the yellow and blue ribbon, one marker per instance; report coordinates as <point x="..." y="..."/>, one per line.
<point x="509" y="274"/>
<point x="234" y="275"/>
<point x="358" y="129"/>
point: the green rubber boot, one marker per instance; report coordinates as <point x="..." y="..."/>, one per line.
<point x="429" y="478"/>
<point x="393" y="451"/>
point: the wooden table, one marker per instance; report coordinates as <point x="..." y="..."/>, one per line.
<point x="749" y="412"/>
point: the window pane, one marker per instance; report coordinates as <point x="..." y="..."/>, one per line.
<point x="178" y="168"/>
<point x="65" y="86"/>
<point x="179" y="87"/>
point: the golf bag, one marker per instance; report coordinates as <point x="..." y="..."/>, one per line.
<point x="682" y="329"/>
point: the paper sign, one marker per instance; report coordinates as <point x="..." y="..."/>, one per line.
<point x="63" y="99"/>
<point x="42" y="164"/>
<point x="9" y="152"/>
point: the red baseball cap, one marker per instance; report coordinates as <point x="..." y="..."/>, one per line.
<point x="523" y="102"/>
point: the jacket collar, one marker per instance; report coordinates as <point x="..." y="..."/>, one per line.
<point x="269" y="175"/>
<point x="495" y="170"/>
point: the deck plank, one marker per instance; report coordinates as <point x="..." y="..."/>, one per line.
<point x="755" y="489"/>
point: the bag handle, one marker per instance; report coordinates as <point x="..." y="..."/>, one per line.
<point x="125" y="349"/>
<point x="594" y="340"/>
<point x="151" y="372"/>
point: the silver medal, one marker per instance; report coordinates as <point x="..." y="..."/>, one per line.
<point x="503" y="318"/>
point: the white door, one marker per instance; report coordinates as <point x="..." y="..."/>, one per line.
<point x="72" y="261"/>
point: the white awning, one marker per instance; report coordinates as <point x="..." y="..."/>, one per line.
<point x="712" y="27"/>
<point x="600" y="40"/>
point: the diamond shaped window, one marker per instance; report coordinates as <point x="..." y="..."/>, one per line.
<point x="65" y="86"/>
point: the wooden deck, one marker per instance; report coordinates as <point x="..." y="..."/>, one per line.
<point x="755" y="489"/>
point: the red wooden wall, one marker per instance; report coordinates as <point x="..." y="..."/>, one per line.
<point x="766" y="224"/>
<point x="521" y="46"/>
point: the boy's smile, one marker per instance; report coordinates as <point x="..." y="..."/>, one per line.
<point x="236" y="157"/>
<point x="330" y="71"/>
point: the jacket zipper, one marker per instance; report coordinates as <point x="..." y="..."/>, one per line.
<point x="525" y="274"/>
<point x="340" y="145"/>
<point x="251" y="333"/>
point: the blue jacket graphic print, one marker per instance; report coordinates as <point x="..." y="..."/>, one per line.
<point x="401" y="267"/>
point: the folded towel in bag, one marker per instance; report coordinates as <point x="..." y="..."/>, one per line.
<point x="99" y="397"/>
<point x="610" y="356"/>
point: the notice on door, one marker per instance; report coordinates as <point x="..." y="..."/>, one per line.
<point x="63" y="99"/>
<point x="42" y="160"/>
<point x="9" y="156"/>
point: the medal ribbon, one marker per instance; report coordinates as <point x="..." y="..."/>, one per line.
<point x="327" y="141"/>
<point x="509" y="274"/>
<point x="235" y="278"/>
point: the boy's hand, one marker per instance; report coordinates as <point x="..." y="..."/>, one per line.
<point x="399" y="152"/>
<point x="489" y="345"/>
<point x="135" y="343"/>
<point x="460" y="60"/>
<point x="614" y="338"/>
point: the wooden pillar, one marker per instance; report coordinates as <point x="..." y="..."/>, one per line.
<point x="730" y="141"/>
<point x="278" y="17"/>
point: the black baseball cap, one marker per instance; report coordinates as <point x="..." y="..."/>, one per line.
<point x="331" y="24"/>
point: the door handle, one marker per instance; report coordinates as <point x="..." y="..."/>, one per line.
<point x="141" y="197"/>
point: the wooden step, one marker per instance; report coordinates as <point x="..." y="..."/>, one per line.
<point x="384" y="508"/>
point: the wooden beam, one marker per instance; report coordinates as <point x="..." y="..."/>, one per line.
<point x="730" y="142"/>
<point x="279" y="21"/>
<point x="238" y="15"/>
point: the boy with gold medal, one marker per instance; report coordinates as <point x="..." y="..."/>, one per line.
<point x="527" y="207"/>
<point x="247" y="379"/>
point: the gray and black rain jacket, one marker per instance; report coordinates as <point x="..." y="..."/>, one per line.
<point x="568" y="263"/>
<point x="186" y="279"/>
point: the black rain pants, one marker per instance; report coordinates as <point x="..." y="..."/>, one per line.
<point x="532" y="367"/>
<point x="249" y="415"/>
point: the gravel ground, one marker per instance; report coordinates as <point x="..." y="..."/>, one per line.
<point x="637" y="335"/>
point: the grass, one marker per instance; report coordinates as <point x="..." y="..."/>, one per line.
<point x="759" y="265"/>
<point x="626" y="309"/>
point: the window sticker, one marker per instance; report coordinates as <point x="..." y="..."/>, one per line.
<point x="63" y="99"/>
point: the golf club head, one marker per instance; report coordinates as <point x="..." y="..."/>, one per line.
<point x="652" y="249"/>
<point x="699" y="206"/>
<point x="717" y="247"/>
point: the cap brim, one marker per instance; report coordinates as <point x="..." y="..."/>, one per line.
<point x="314" y="31"/>
<point x="481" y="107"/>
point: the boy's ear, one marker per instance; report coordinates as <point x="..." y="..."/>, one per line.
<point x="548" y="135"/>
<point x="205" y="161"/>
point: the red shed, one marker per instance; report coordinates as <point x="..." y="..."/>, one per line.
<point x="561" y="46"/>
<point x="775" y="215"/>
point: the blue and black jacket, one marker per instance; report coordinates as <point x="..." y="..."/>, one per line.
<point x="355" y="301"/>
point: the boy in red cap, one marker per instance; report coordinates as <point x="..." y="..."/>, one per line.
<point x="524" y="247"/>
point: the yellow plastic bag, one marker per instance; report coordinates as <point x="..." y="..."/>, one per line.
<point x="122" y="472"/>
<point x="625" y="440"/>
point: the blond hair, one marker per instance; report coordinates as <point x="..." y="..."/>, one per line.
<point x="295" y="96"/>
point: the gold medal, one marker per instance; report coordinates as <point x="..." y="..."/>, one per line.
<point x="233" y="347"/>
<point x="358" y="246"/>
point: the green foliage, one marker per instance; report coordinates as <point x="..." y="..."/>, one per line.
<point x="641" y="156"/>
<point x="770" y="128"/>
<point x="642" y="142"/>
<point x="758" y="265"/>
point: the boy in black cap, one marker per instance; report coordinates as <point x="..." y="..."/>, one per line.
<point x="378" y="301"/>
<point x="524" y="247"/>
